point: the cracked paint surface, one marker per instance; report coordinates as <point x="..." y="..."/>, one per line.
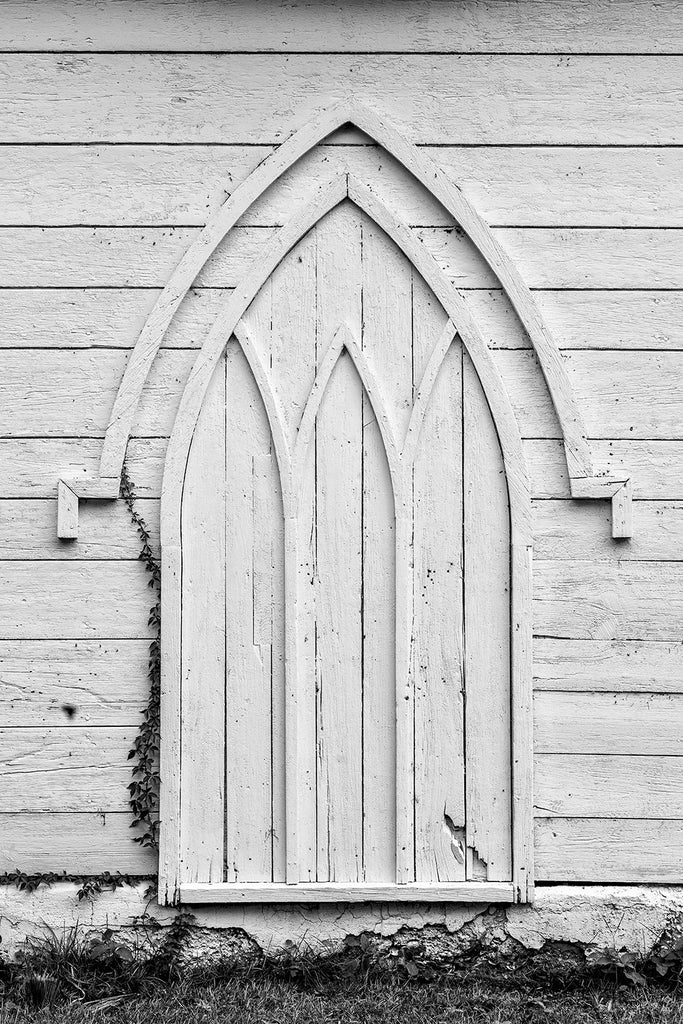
<point x="630" y="917"/>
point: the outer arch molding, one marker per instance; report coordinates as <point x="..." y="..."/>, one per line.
<point x="583" y="482"/>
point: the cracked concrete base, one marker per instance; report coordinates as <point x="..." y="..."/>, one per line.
<point x="629" y="917"/>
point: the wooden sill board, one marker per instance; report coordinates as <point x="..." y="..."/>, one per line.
<point x="337" y="892"/>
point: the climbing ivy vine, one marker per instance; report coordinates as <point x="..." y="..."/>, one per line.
<point x="144" y="788"/>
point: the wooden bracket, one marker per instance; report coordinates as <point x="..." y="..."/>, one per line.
<point x="67" y="512"/>
<point x="69" y="492"/>
<point x="619" y="491"/>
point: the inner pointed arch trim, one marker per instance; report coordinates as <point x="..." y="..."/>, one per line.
<point x="344" y="339"/>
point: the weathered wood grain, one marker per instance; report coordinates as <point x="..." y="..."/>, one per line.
<point x="483" y="25"/>
<point x="577" y="258"/>
<point x="591" y="600"/>
<point x="339" y="545"/>
<point x="486" y="652"/>
<point x="607" y="601"/>
<point x="582" y="530"/>
<point x="254" y="689"/>
<point x="27" y="530"/>
<point x="184" y="185"/>
<point x="74" y="842"/>
<point x="350" y="892"/>
<point x="655" y="467"/>
<point x="614" y="665"/>
<point x="379" y="554"/>
<point x="596" y="850"/>
<point x="180" y="97"/>
<point x="71" y="392"/>
<point x="57" y="318"/>
<point x="608" y="723"/>
<point x="438" y="669"/>
<point x="65" y="769"/>
<point x="203" y="644"/>
<point x="608" y="786"/>
<point x="73" y="600"/>
<point x="30" y="468"/>
<point x="79" y="682"/>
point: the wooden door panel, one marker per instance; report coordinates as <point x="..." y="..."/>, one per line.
<point x="253" y="634"/>
<point x="488" y="739"/>
<point x="437" y="662"/>
<point x="203" y="664"/>
<point x="365" y="582"/>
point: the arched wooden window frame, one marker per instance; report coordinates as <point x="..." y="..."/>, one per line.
<point x="583" y="481"/>
<point x="228" y="324"/>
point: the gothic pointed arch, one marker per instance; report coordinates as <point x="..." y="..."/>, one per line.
<point x="582" y="478"/>
<point x="400" y="452"/>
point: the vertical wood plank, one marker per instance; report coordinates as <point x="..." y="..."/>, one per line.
<point x="170" y="725"/>
<point x="293" y="365"/>
<point x="339" y="548"/>
<point x="487" y="641"/>
<point x="67" y="512"/>
<point x="437" y="654"/>
<point x="203" y="643"/>
<point x="254" y="517"/>
<point x="387" y="344"/>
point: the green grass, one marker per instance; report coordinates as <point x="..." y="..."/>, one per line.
<point x="72" y="978"/>
<point x="266" y="1000"/>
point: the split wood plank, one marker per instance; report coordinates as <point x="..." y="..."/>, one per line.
<point x="605" y="850"/>
<point x="608" y="723"/>
<point x="612" y="665"/>
<point x="488" y="736"/>
<point x="486" y="26"/>
<point x="74" y="842"/>
<point x="437" y="98"/>
<point x="65" y="769"/>
<point x="203" y="644"/>
<point x="58" y="318"/>
<point x="608" y="786"/>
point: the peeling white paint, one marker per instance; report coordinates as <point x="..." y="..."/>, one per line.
<point x="627" y="917"/>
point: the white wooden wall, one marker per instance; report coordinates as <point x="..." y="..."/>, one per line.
<point x="123" y="124"/>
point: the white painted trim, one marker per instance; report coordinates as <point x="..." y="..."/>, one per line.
<point x="427" y="172"/>
<point x="325" y="198"/>
<point x="339" y="892"/>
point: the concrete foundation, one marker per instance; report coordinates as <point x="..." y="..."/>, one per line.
<point x="629" y="917"/>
